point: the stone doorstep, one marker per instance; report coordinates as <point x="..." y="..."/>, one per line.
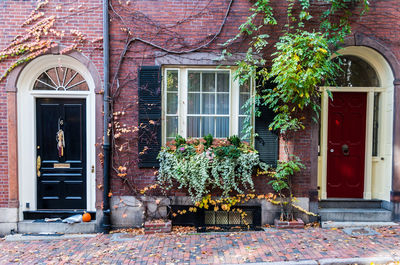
<point x="26" y="227"/>
<point x="334" y="224"/>
<point x="24" y="237"/>
<point x="289" y="225"/>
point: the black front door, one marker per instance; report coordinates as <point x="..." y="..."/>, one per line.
<point x="61" y="151"/>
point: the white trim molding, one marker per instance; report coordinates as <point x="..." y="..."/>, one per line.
<point x="378" y="169"/>
<point x="26" y="113"/>
<point x="182" y="109"/>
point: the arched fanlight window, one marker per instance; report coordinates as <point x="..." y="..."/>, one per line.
<point x="61" y="78"/>
<point x="355" y="72"/>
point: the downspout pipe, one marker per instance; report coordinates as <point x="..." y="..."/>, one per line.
<point x="106" y="220"/>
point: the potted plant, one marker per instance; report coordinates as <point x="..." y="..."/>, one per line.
<point x="281" y="183"/>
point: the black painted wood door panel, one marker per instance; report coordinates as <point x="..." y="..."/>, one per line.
<point x="61" y="178"/>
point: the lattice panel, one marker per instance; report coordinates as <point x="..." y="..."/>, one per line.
<point x="209" y="217"/>
<point x="249" y="218"/>
<point x="227" y="218"/>
<point x="234" y="218"/>
<point x="221" y="218"/>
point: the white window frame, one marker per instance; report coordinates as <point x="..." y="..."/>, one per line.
<point x="234" y="92"/>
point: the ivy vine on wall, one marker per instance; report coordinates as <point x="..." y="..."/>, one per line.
<point x="300" y="65"/>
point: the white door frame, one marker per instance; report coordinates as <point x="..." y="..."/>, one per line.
<point x="26" y="111"/>
<point x="386" y="78"/>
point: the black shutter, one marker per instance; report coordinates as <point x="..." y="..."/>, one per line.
<point x="149" y="137"/>
<point x="267" y="142"/>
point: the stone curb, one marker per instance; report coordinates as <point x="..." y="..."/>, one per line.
<point x="303" y="262"/>
<point x="358" y="261"/>
<point x="33" y="237"/>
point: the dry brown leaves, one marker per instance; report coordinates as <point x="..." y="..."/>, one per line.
<point x="134" y="231"/>
<point x="184" y="229"/>
<point x="312" y="225"/>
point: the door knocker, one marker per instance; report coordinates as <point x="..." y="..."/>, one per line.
<point x="60" y="139"/>
<point x="345" y="150"/>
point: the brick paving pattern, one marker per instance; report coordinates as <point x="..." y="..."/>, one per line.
<point x="209" y="248"/>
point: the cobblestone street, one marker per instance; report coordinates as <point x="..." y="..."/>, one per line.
<point x="206" y="248"/>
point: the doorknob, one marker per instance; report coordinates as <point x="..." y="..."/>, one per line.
<point x="345" y="149"/>
<point x="331" y="150"/>
<point x="38" y="165"/>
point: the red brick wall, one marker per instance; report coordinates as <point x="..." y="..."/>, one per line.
<point x="175" y="25"/>
<point x="182" y="25"/>
<point x="71" y="15"/>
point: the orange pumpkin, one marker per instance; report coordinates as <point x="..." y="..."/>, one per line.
<point x="86" y="217"/>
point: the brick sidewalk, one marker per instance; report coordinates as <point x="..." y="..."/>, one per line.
<point x="210" y="248"/>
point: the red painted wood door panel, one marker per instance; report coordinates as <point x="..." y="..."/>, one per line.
<point x="346" y="145"/>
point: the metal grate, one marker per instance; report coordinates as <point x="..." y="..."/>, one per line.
<point x="227" y="218"/>
<point x="209" y="218"/>
<point x="234" y="218"/>
<point x="221" y="218"/>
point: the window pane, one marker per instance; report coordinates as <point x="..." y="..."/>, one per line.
<point x="222" y="127"/>
<point x="194" y="81"/>
<point x="241" y="125"/>
<point x="207" y="126"/>
<point x="172" y="80"/>
<point x="172" y="103"/>
<point x="194" y="103"/>
<point x="172" y="127"/>
<point x="375" y="125"/>
<point x="61" y="78"/>
<point x="242" y="100"/>
<point x="208" y="106"/>
<point x="208" y="95"/>
<point x="223" y="104"/>
<point x="245" y="87"/>
<point x="208" y="82"/>
<point x="223" y="82"/>
<point x="193" y="127"/>
<point x="355" y="72"/>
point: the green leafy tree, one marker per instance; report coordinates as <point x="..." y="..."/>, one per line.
<point x="301" y="64"/>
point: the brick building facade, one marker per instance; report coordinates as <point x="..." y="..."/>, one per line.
<point x="181" y="37"/>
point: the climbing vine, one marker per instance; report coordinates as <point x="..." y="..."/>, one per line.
<point x="300" y="65"/>
<point x="38" y="36"/>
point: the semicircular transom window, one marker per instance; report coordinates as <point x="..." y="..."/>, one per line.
<point x="355" y="72"/>
<point x="61" y="78"/>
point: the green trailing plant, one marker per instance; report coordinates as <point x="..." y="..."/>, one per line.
<point x="202" y="165"/>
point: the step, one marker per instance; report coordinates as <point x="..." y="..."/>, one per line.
<point x="333" y="224"/>
<point x="32" y="227"/>
<point x="355" y="214"/>
<point x="36" y="237"/>
<point x="350" y="203"/>
<point x="42" y="214"/>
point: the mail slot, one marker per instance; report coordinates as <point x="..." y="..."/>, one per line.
<point x="62" y="165"/>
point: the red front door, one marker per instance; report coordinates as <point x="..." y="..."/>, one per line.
<point x="346" y="145"/>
